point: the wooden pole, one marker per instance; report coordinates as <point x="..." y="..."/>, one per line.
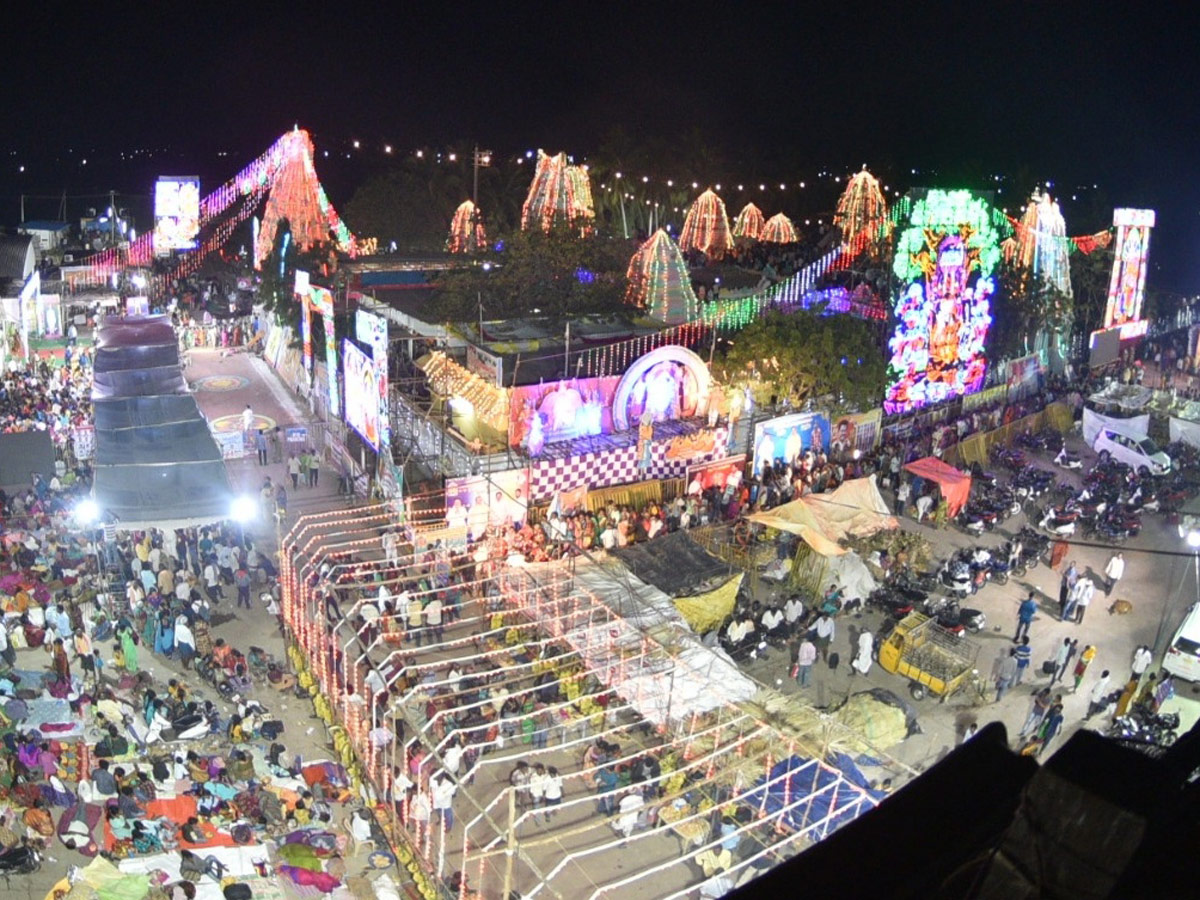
<point x="510" y="850"/>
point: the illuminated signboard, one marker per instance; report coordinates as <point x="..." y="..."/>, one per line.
<point x="1127" y="286"/>
<point x="176" y="213"/>
<point x="372" y="330"/>
<point x="945" y="260"/>
<point x="362" y="393"/>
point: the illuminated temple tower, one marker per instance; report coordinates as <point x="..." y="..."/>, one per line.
<point x="706" y="227"/>
<point x="659" y="282"/>
<point x="560" y="194"/>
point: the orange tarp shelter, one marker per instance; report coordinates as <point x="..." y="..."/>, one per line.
<point x="955" y="484"/>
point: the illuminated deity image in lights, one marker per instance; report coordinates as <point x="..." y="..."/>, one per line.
<point x="1128" y="282"/>
<point x="944" y="312"/>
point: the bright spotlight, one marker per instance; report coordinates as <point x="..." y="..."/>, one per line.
<point x="1193" y="538"/>
<point x="87" y="511"/>
<point x="243" y="509"/>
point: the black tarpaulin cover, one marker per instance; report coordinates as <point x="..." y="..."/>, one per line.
<point x="176" y="442"/>
<point x="673" y="563"/>
<point x="135" y="331"/>
<point x="163" y="493"/>
<point x="139" y="383"/>
<point x="127" y="412"/>
<point x="113" y="359"/>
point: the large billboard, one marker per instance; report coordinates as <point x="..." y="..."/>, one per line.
<point x="787" y="437"/>
<point x="176" y="213"/>
<point x="1127" y="286"/>
<point x="945" y="260"/>
<point x="362" y="393"/>
<point x="372" y="330"/>
<point x="500" y="500"/>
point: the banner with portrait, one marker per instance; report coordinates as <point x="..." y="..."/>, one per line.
<point x="500" y="500"/>
<point x="855" y="431"/>
<point x="718" y="474"/>
<point x="362" y="393"/>
<point x="788" y="437"/>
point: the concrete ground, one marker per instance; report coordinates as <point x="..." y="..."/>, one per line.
<point x="1160" y="588"/>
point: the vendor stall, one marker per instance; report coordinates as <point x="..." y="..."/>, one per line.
<point x="954" y="484"/>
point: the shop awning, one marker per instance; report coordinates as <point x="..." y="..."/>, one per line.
<point x="855" y="509"/>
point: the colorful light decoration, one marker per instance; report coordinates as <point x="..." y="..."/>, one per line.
<point x="1126" y="289"/>
<point x="298" y="197"/>
<point x="706" y="227"/>
<point x="466" y="230"/>
<point x="559" y="194"/>
<point x="1040" y="244"/>
<point x="862" y="213"/>
<point x="659" y="282"/>
<point x="779" y="230"/>
<point x="221" y="212"/>
<point x="749" y="223"/>
<point x="945" y="256"/>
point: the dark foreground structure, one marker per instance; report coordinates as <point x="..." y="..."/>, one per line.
<point x="1098" y="820"/>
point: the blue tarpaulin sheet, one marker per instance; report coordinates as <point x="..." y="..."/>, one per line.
<point x="820" y="797"/>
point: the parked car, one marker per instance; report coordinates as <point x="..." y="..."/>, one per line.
<point x="1140" y="454"/>
<point x="1183" y="656"/>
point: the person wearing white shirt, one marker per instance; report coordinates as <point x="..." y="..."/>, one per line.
<point x="772" y="618"/>
<point x="452" y="758"/>
<point x="413" y="611"/>
<point x="155" y="559"/>
<point x="629" y="808"/>
<point x="374" y="682"/>
<point x="360" y="827"/>
<point x="1086" y="589"/>
<point x="793" y="611"/>
<point x="1142" y="657"/>
<point x="212" y="581"/>
<point x="442" y="787"/>
<point x="391" y="547"/>
<point x="608" y="537"/>
<point x="553" y="791"/>
<point x="1114" y="569"/>
<point x="537" y="788"/>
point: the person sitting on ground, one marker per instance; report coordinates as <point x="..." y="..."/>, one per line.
<point x="112" y="744"/>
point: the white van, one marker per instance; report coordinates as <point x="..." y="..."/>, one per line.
<point x="1183" y="656"/>
<point x="1140" y="454"/>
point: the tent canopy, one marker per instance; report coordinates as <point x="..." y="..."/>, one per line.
<point x="955" y="484"/>
<point x="855" y="509"/>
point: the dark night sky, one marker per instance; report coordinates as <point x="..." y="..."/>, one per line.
<point x="1074" y="92"/>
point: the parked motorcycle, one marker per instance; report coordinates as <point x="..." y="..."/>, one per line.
<point x="954" y="618"/>
<point x="1058" y="521"/>
<point x="1068" y="460"/>
<point x="21" y="859"/>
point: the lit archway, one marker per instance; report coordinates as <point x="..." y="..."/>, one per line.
<point x="647" y="385"/>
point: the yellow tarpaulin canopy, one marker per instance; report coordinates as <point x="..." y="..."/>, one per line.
<point x="855" y="509"/>
<point x="706" y="611"/>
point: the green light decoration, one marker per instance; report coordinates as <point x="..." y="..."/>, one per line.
<point x="659" y="282"/>
<point x="934" y="211"/>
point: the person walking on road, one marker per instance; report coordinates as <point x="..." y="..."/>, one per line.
<point x="1005" y="673"/>
<point x="1051" y="726"/>
<point x="293" y="467"/>
<point x="1024" y="656"/>
<point x="825" y="633"/>
<point x="1113" y="571"/>
<point x="1085" y="660"/>
<point x="260" y="444"/>
<point x="1025" y="617"/>
<point x="276" y="437"/>
<point x="1086" y="589"/>
<point x="248" y="421"/>
<point x="241" y="578"/>
<point x="1142" y="657"/>
<point x="1070" y="576"/>
<point x="1062" y="659"/>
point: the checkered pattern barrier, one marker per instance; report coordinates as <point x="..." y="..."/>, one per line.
<point x="611" y="467"/>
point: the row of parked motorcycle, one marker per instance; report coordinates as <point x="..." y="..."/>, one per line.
<point x="1109" y="506"/>
<point x="941" y="593"/>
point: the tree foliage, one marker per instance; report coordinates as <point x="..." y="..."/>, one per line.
<point x="805" y="356"/>
<point x="558" y="274"/>
<point x="1090" y="274"/>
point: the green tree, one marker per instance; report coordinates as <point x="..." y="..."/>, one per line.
<point x="1090" y="274"/>
<point x="805" y="356"/>
<point x="558" y="275"/>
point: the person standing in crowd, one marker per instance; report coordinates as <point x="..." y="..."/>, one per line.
<point x="826" y="629"/>
<point x="241" y="578"/>
<point x="1114" y="570"/>
<point x="293" y="467"/>
<point x="806" y="657"/>
<point x="1098" y="697"/>
<point x="1062" y="658"/>
<point x="276" y="438"/>
<point x="1051" y="727"/>
<point x="1083" y="598"/>
<point x="248" y="421"/>
<point x="1064" y="590"/>
<point x="1024" y="656"/>
<point x="1005" y="673"/>
<point x="260" y="445"/>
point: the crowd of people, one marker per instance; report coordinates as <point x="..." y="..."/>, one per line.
<point x="43" y="397"/>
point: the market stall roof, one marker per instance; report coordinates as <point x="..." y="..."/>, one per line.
<point x="954" y="483"/>
<point x="855" y="509"/>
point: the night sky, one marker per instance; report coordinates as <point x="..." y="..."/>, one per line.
<point x="1073" y="93"/>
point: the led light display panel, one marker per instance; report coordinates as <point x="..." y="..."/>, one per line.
<point x="362" y="393"/>
<point x="945" y="261"/>
<point x="1128" y="284"/>
<point x="176" y="213"/>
